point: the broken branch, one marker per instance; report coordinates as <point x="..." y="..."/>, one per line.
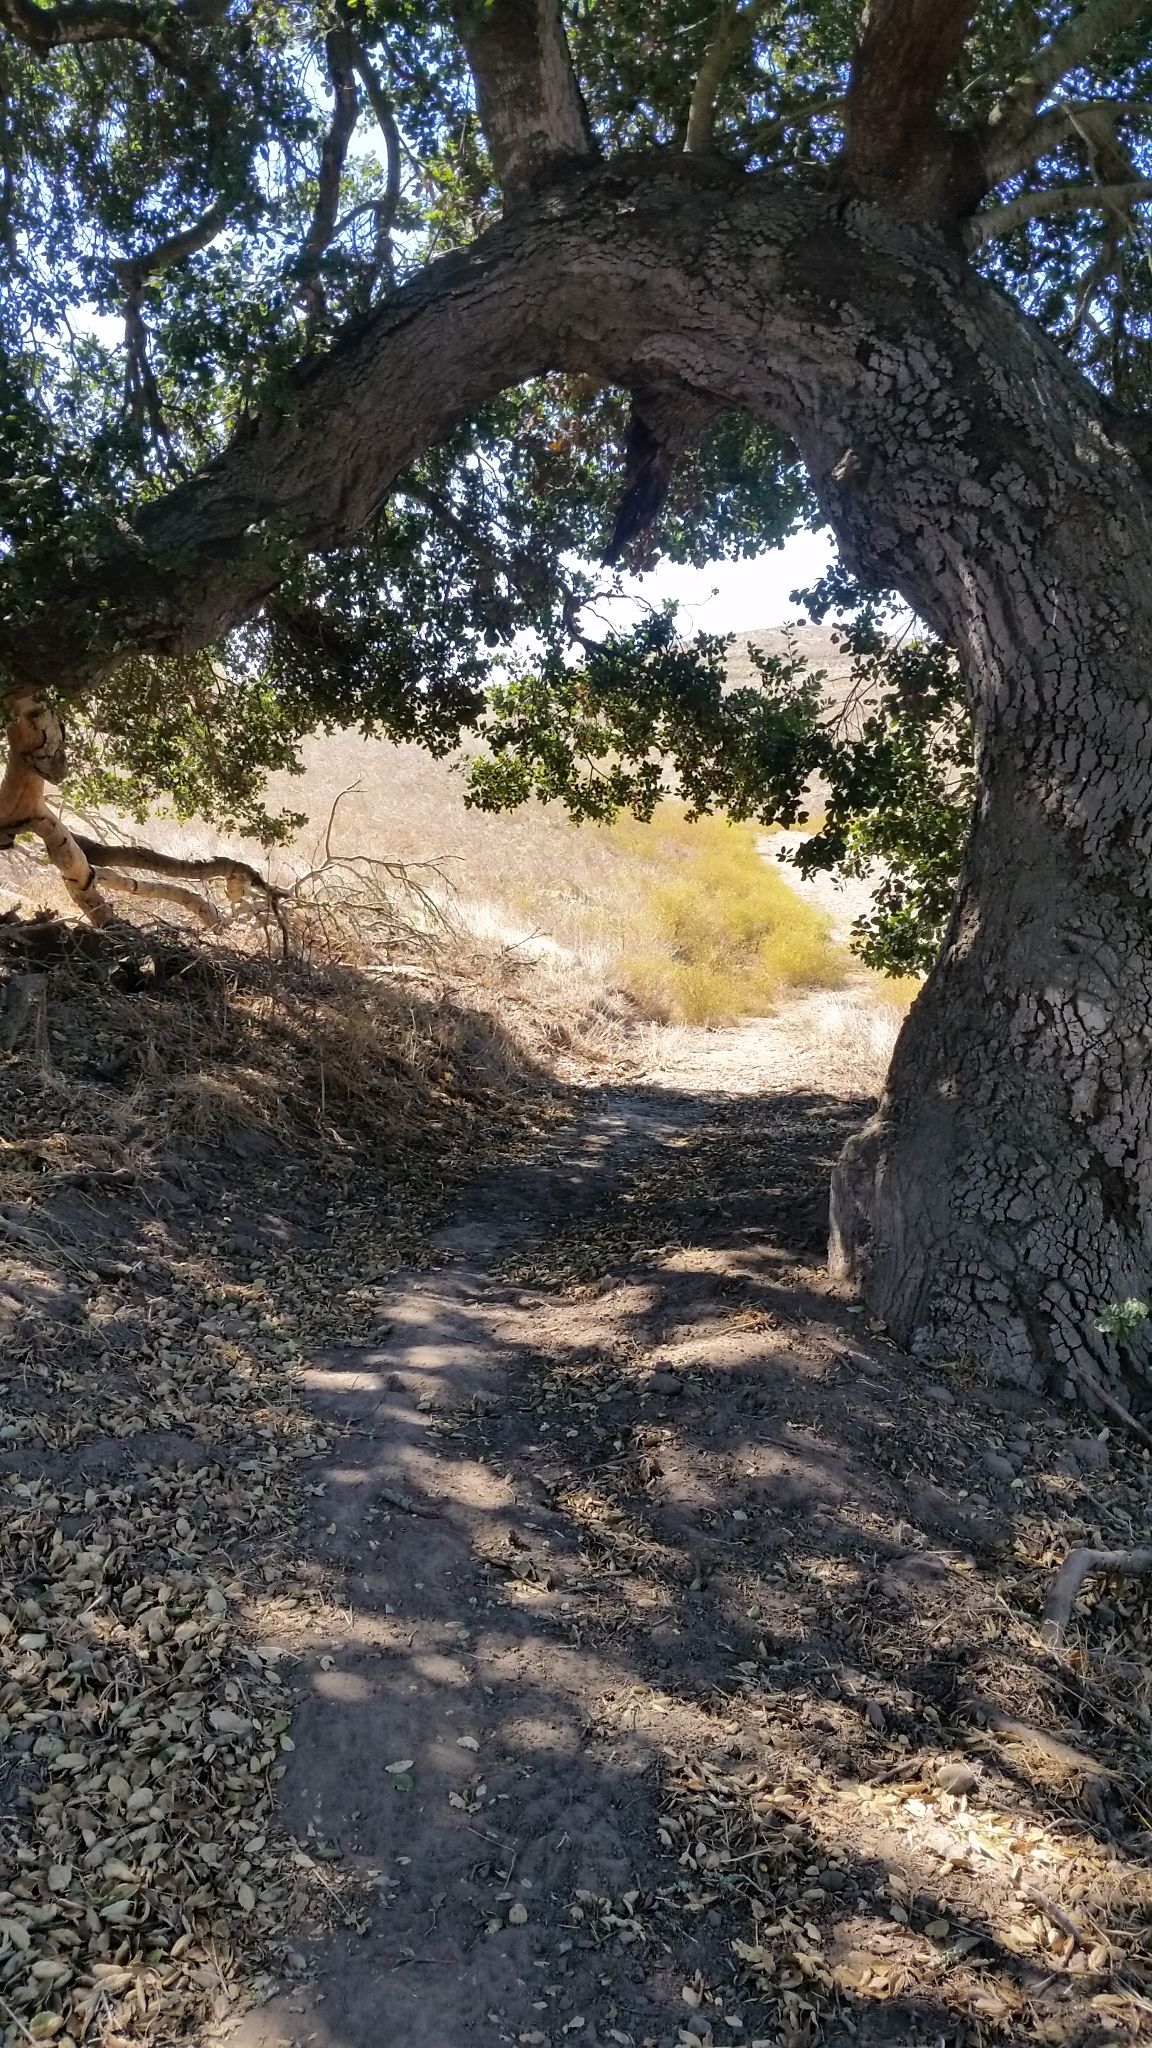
<point x="1078" y="1566"/>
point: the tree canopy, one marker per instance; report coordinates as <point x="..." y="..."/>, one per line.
<point x="206" y="205"/>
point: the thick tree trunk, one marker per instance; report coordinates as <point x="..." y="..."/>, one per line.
<point x="1001" y="1197"/>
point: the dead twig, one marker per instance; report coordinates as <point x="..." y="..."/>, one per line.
<point x="1115" y="1408"/>
<point x="1078" y="1566"/>
<point x="406" y="1506"/>
<point x="1046" y="1745"/>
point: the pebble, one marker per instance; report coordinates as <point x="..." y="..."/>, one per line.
<point x="941" y="1395"/>
<point x="998" y="1467"/>
<point x="1091" y="1454"/>
<point x="664" y="1383"/>
<point x="957" y="1779"/>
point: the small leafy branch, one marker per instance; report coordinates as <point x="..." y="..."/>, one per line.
<point x="1122" y="1319"/>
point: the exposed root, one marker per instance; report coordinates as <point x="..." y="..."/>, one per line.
<point x="1078" y="1566"/>
<point x="1113" y="1407"/>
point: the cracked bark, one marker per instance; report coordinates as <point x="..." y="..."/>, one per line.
<point x="1003" y="1193"/>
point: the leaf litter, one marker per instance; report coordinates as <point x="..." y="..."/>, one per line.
<point x="154" y="1446"/>
<point x="807" y="1860"/>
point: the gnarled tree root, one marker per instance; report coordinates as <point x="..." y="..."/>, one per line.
<point x="1078" y="1566"/>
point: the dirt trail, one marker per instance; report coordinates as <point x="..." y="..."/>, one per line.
<point x="662" y="1598"/>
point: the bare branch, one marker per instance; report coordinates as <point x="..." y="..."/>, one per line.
<point x="385" y="208"/>
<point x="732" y="34"/>
<point x="906" y="50"/>
<point x="340" y="49"/>
<point x="1075" y="42"/>
<point x="527" y="96"/>
<point x="1096" y="120"/>
<point x="201" y="908"/>
<point x="220" y="867"/>
<point x="1058" y="202"/>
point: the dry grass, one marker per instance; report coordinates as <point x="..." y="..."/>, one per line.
<point x="720" y="934"/>
<point x="147" y="1042"/>
<point x="691" y="923"/>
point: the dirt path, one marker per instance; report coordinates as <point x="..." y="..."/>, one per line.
<point x="663" y="1602"/>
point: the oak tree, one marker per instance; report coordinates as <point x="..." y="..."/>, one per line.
<point x="422" y="305"/>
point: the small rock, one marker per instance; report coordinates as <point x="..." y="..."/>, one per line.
<point x="998" y="1467"/>
<point x="517" y="1916"/>
<point x="832" y="1880"/>
<point x="957" y="1779"/>
<point x="941" y="1395"/>
<point x="1091" y="1454"/>
<point x="664" y="1383"/>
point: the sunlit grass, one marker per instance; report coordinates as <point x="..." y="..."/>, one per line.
<point x="720" y="934"/>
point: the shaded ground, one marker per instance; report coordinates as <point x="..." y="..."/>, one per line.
<point x="639" y="1612"/>
<point x="664" y="1599"/>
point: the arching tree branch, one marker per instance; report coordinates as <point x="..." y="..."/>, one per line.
<point x="1058" y="202"/>
<point x="1006" y="158"/>
<point x="531" y="111"/>
<point x="107" y="21"/>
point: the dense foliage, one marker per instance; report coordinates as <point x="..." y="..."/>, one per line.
<point x="196" y="200"/>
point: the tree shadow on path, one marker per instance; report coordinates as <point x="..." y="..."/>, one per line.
<point x="664" y="1598"/>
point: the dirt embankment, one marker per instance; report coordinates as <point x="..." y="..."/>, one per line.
<point x="454" y="1604"/>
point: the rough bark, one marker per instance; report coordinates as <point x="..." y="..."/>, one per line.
<point x="527" y="95"/>
<point x="896" y="146"/>
<point x="1003" y="1194"/>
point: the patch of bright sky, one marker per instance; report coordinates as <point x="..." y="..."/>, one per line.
<point x="727" y="597"/>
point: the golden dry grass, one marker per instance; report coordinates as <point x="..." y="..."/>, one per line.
<point x="720" y="935"/>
